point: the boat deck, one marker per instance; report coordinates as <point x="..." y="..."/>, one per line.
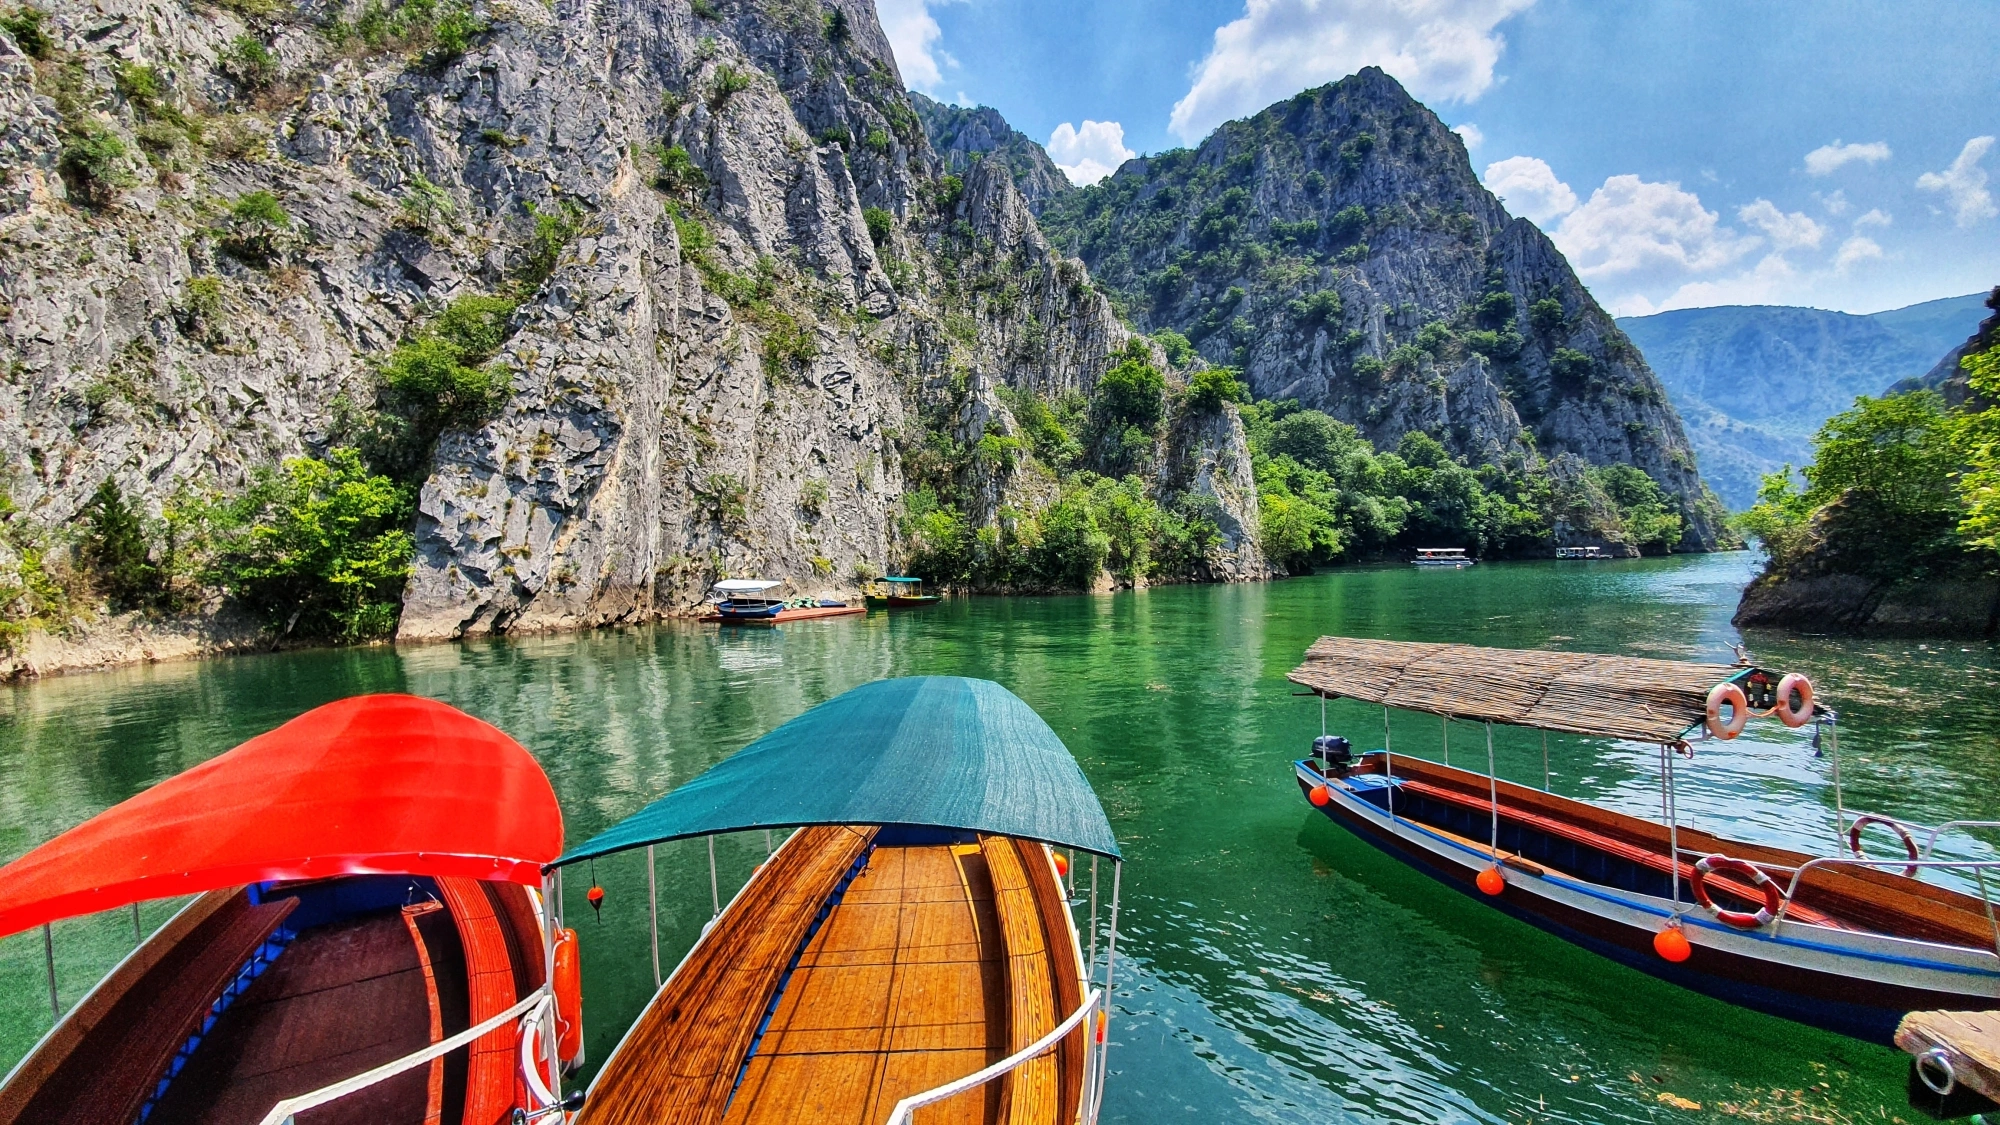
<point x="934" y="961"/>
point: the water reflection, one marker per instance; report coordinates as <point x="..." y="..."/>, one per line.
<point x="1280" y="969"/>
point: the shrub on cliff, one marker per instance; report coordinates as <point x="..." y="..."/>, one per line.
<point x="114" y="547"/>
<point x="318" y="548"/>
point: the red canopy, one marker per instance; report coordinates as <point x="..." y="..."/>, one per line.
<point x="377" y="784"/>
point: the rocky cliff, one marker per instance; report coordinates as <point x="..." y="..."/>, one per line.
<point x="962" y="136"/>
<point x="1339" y="249"/>
<point x="743" y="293"/>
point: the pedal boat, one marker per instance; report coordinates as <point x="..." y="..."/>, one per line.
<point x="899" y="592"/>
<point x="746" y="601"/>
<point x="908" y="953"/>
<point x="1838" y="941"/>
<point x="367" y="942"/>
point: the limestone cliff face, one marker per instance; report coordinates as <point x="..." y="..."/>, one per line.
<point x="719" y="374"/>
<point x="1339" y="248"/>
<point x="963" y="137"/>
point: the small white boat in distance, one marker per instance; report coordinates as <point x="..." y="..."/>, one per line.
<point x="1590" y="552"/>
<point x="1454" y="557"/>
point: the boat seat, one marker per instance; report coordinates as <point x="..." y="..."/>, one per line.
<point x="1028" y="1092"/>
<point x="679" y="1062"/>
<point x="489" y="970"/>
<point x="1644" y="857"/>
<point x="121" y="1058"/>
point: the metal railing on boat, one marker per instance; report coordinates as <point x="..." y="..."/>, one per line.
<point x="534" y="1011"/>
<point x="901" y="1114"/>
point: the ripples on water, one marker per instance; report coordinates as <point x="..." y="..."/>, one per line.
<point x="1272" y="967"/>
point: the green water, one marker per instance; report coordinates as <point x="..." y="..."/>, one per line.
<point x="1278" y="968"/>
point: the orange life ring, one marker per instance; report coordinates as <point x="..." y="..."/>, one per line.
<point x="1774" y="899"/>
<point x="1787" y="714"/>
<point x="1909" y="842"/>
<point x="569" y="998"/>
<point x="1739" y="710"/>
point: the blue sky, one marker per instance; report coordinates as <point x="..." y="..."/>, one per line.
<point x="1682" y="154"/>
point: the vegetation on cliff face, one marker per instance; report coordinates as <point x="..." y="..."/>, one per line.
<point x="1328" y="496"/>
<point x="1901" y="499"/>
<point x="1337" y="249"/>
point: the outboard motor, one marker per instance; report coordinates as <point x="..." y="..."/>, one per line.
<point x="1334" y="753"/>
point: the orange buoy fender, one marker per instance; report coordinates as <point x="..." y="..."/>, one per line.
<point x="1672" y="945"/>
<point x="1794" y="684"/>
<point x="1491" y="882"/>
<point x="1319" y="795"/>
<point x="1739" y="710"/>
<point x="1062" y="865"/>
<point x="1774" y="899"/>
<point x="569" y="997"/>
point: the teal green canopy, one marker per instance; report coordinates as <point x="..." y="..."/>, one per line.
<point x="933" y="751"/>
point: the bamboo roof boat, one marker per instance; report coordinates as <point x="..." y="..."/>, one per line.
<point x="747" y="601"/>
<point x="367" y="943"/>
<point x="1840" y="941"/>
<point x="899" y="592"/>
<point x="908" y="953"/>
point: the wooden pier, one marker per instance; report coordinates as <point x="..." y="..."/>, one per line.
<point x="1959" y="1051"/>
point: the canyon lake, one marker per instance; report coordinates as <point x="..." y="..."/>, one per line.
<point x="1271" y="966"/>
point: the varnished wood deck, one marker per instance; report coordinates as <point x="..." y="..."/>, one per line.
<point x="937" y="961"/>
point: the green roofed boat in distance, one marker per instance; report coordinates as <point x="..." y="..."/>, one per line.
<point x="898" y="592"/>
<point x="908" y="953"/>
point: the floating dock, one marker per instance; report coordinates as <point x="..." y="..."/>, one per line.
<point x="1955" y="1061"/>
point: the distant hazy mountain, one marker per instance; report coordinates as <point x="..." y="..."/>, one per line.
<point x="1753" y="382"/>
<point x="960" y="135"/>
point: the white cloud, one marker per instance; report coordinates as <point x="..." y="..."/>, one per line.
<point x="1856" y="249"/>
<point x="1787" y="231"/>
<point x="1443" y="50"/>
<point x="1964" y="183"/>
<point x="1470" y="134"/>
<point x="1835" y="204"/>
<point x="1529" y="188"/>
<point x="1826" y="159"/>
<point x="1631" y="227"/>
<point x="1091" y="153"/>
<point x="1764" y="283"/>
<point x="1876" y="217"/>
<point x="913" y="36"/>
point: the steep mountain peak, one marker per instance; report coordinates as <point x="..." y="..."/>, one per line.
<point x="1338" y="248"/>
<point x="962" y="136"/>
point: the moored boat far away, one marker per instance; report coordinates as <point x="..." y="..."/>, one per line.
<point x="747" y="601"/>
<point x="1843" y="941"/>
<point x="908" y="953"/>
<point x="1592" y="552"/>
<point x="369" y="941"/>
<point x="1453" y="557"/>
<point x="898" y="592"/>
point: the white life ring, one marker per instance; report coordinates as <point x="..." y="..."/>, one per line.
<point x="1739" y="710"/>
<point x="1787" y="714"/>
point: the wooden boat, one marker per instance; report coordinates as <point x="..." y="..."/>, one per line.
<point x="367" y="943"/>
<point x="1453" y="557"/>
<point x="899" y="592"/>
<point x="909" y="950"/>
<point x="743" y="601"/>
<point x="1839" y="941"/>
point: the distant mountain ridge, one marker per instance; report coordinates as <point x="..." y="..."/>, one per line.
<point x="961" y="135"/>
<point x="1754" y="382"/>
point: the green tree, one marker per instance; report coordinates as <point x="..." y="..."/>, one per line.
<point x="1979" y="435"/>
<point x="318" y="548"/>
<point x="1210" y="387"/>
<point x="1073" y="547"/>
<point x="114" y="548"/>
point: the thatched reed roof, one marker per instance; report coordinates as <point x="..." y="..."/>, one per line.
<point x="1579" y="693"/>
